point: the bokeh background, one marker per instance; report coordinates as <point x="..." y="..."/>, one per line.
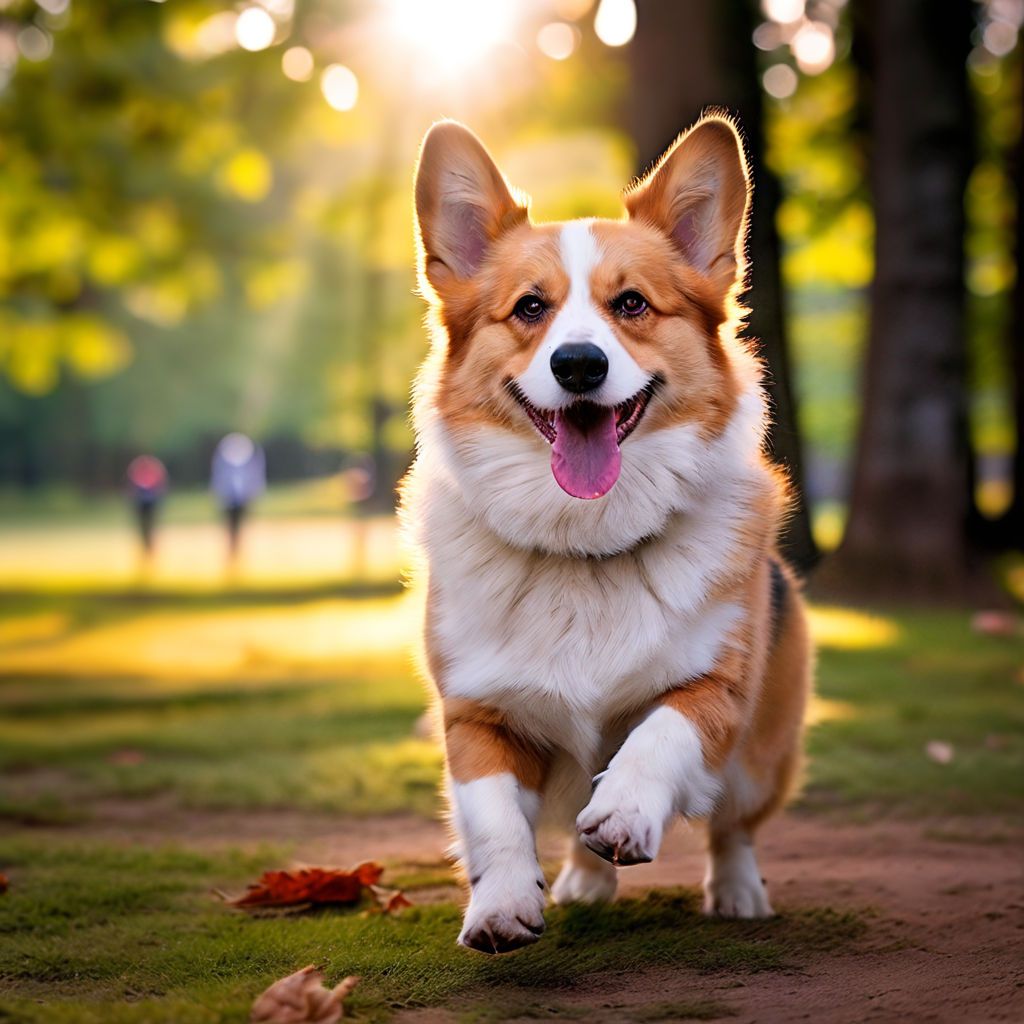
<point x="206" y="229"/>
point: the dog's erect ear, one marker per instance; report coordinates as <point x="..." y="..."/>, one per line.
<point x="462" y="204"/>
<point x="698" y="193"/>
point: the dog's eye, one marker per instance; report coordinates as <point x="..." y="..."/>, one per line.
<point x="530" y="309"/>
<point x="630" y="304"/>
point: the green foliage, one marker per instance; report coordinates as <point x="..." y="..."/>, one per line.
<point x="991" y="269"/>
<point x="216" y="246"/>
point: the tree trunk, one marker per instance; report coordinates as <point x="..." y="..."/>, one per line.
<point x="685" y="58"/>
<point x="907" y="533"/>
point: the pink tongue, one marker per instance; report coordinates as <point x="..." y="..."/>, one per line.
<point x="585" y="456"/>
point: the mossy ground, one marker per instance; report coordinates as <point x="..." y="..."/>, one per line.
<point x="251" y="703"/>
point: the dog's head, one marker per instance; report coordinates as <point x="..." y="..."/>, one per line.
<point x="596" y="355"/>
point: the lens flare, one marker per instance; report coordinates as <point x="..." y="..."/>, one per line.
<point x="340" y="87"/>
<point x="452" y="35"/>
<point x="784" y="11"/>
<point x="780" y="81"/>
<point x="813" y="47"/>
<point x="615" y="22"/>
<point x="254" y="29"/>
<point x="297" y="64"/>
<point x="557" y="40"/>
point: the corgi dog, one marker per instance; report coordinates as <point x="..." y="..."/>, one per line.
<point x="613" y="637"/>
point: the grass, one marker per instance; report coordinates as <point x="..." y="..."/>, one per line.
<point x="109" y="934"/>
<point x="248" y="702"/>
<point x="311" y="704"/>
<point x="921" y="676"/>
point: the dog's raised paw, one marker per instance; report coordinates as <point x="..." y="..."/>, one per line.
<point x="620" y="835"/>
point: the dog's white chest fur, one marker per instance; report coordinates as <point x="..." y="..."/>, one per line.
<point x="523" y="620"/>
<point x="566" y="644"/>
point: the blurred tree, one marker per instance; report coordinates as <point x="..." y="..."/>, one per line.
<point x="195" y="237"/>
<point x="907" y="531"/>
<point x="684" y="59"/>
<point x="1007" y="532"/>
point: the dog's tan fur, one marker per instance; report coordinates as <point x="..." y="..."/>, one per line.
<point x="683" y="248"/>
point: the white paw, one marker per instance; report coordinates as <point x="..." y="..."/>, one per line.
<point x="506" y="910"/>
<point x="578" y="884"/>
<point x="625" y="819"/>
<point x="733" y="887"/>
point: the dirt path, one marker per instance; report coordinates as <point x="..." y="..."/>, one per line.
<point x="945" y="940"/>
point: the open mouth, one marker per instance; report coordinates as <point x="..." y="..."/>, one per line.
<point x="585" y="439"/>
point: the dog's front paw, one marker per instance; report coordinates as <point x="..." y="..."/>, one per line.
<point x="501" y="915"/>
<point x="624" y="823"/>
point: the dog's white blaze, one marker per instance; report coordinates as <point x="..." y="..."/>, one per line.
<point x="580" y="320"/>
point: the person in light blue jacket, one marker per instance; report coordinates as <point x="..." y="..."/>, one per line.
<point x="238" y="477"/>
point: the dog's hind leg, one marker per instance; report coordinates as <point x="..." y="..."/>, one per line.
<point x="584" y="878"/>
<point x="733" y="886"/>
<point x="761" y="773"/>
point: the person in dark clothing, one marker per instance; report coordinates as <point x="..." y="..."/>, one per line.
<point x="147" y="483"/>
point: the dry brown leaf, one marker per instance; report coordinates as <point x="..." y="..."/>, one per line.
<point x="390" y="901"/>
<point x="302" y="998"/>
<point x="319" y="887"/>
<point x="309" y="886"/>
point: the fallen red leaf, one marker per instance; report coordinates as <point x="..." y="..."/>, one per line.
<point x="302" y="998"/>
<point x="390" y="900"/>
<point x="319" y="886"/>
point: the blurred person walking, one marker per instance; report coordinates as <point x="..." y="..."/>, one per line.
<point x="238" y="475"/>
<point x="147" y="483"/>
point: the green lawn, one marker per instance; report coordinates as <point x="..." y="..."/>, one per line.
<point x="933" y="679"/>
<point x="310" y="704"/>
<point x="103" y="934"/>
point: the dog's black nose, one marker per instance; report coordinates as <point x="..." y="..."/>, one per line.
<point x="579" y="366"/>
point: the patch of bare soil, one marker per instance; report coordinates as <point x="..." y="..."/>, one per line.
<point x="945" y="937"/>
<point x="945" y="943"/>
